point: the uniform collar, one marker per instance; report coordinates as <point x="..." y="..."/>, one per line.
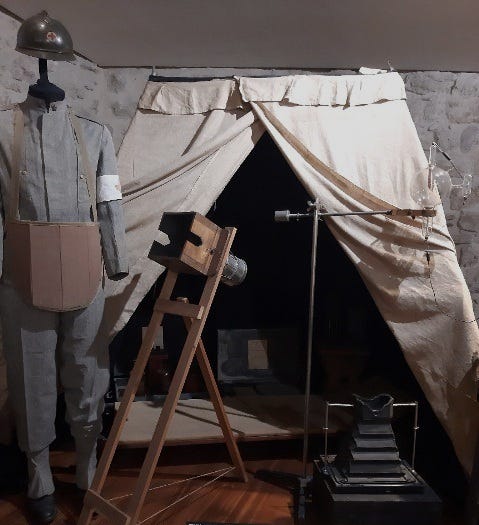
<point x="39" y="106"/>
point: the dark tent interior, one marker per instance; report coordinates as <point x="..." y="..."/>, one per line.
<point x="354" y="350"/>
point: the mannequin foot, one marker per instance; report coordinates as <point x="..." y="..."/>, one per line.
<point x="42" y="510"/>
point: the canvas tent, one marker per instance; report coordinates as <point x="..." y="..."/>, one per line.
<point x="351" y="142"/>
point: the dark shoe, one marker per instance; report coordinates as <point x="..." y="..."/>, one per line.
<point x="42" y="510"/>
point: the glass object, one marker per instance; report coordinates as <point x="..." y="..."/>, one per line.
<point x="426" y="195"/>
<point x="433" y="185"/>
<point x="465" y="185"/>
<point x="424" y="191"/>
<point x="442" y="180"/>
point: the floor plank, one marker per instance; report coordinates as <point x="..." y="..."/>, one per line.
<point x="223" y="500"/>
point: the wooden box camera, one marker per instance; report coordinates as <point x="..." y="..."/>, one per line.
<point x="193" y="242"/>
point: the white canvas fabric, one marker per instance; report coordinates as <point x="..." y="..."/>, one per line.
<point x="351" y="142"/>
<point x="171" y="163"/>
<point x="313" y="90"/>
<point x="185" y="98"/>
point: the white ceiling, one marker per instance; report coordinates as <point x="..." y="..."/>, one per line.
<point x="413" y="34"/>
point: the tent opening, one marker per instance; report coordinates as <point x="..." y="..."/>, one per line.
<point x="355" y="350"/>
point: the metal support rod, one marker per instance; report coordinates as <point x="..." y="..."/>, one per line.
<point x="326" y="423"/>
<point x="345" y="214"/>
<point x="300" y="215"/>
<point x="416" y="428"/>
<point x="326" y="430"/>
<point x="312" y="289"/>
<point x="286" y="215"/>
<point x="320" y="215"/>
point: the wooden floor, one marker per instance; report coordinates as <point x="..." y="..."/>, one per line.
<point x="222" y="500"/>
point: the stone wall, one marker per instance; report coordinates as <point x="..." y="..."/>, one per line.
<point x="82" y="80"/>
<point x="444" y="107"/>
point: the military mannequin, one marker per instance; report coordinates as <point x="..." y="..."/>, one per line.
<point x="57" y="173"/>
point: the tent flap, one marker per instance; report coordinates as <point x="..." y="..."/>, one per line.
<point x="324" y="90"/>
<point x="377" y="149"/>
<point x="188" y="98"/>
<point x="170" y="163"/>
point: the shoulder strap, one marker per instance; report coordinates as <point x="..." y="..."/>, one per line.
<point x="90" y="175"/>
<point x="18" y="125"/>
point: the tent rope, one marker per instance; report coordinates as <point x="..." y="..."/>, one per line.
<point x="189" y="493"/>
<point x="223" y="470"/>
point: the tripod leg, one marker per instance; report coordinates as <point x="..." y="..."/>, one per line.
<point x="167" y="412"/>
<point x="215" y="397"/>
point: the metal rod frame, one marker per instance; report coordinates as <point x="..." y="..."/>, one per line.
<point x="415" y="427"/>
<point x="317" y="215"/>
<point x="320" y="215"/>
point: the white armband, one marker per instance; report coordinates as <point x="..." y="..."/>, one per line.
<point x="108" y="188"/>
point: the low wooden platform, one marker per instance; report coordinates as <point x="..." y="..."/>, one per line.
<point x="252" y="418"/>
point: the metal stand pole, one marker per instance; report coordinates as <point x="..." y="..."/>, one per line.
<point x="312" y="290"/>
<point x="305" y="480"/>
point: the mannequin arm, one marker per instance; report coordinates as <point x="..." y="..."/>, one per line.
<point x="112" y="227"/>
<point x="110" y="211"/>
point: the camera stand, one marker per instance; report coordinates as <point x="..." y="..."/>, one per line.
<point x="215" y="247"/>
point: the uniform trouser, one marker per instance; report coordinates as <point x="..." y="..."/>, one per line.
<point x="40" y="346"/>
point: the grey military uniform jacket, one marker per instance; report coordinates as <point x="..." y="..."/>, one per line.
<point x="53" y="183"/>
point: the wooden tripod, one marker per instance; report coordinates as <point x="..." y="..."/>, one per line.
<point x="195" y="317"/>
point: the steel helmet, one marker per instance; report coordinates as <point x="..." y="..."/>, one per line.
<point x="44" y="37"/>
